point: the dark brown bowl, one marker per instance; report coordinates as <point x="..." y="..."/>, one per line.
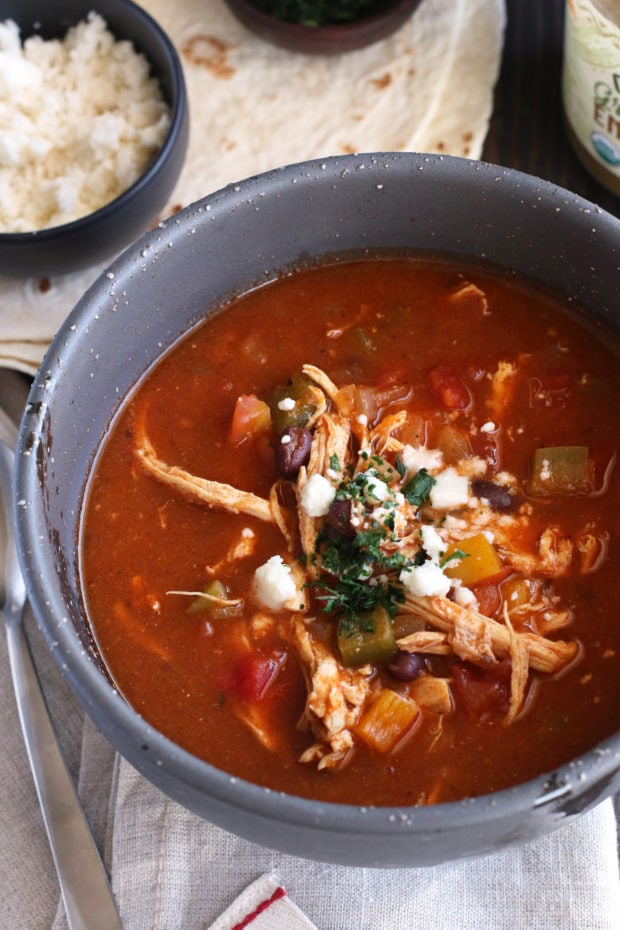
<point x="386" y="17"/>
<point x="106" y="232"/>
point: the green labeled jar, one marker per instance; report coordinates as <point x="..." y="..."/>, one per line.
<point x="591" y="86"/>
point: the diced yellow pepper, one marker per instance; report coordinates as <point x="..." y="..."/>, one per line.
<point x="386" y="720"/>
<point x="516" y="592"/>
<point x="479" y="561"/>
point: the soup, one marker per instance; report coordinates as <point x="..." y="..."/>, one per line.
<point x="352" y="538"/>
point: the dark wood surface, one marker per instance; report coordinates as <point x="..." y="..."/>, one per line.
<point x="527" y="127"/>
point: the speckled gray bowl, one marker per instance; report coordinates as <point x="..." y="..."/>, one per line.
<point x="164" y="285"/>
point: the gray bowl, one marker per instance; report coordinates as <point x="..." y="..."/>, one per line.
<point x="165" y="284"/>
<point x="102" y="234"/>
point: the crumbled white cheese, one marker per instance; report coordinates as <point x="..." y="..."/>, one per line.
<point x="545" y="471"/>
<point x="417" y="457"/>
<point x="450" y="490"/>
<point x="426" y="580"/>
<point x="274" y="584"/>
<point x="432" y="543"/>
<point x="375" y="488"/>
<point x="488" y="427"/>
<point x="81" y="121"/>
<point x="285" y="439"/>
<point x="463" y="596"/>
<point x="287" y="403"/>
<point x="316" y="495"/>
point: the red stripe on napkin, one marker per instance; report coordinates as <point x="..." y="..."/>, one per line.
<point x="263" y="906"/>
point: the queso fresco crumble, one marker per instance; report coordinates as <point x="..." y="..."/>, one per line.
<point x="81" y="120"/>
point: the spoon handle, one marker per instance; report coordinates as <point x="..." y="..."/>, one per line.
<point x="83" y="881"/>
<point x="84" y="885"/>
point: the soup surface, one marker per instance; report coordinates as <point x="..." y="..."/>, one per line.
<point x="354" y="538"/>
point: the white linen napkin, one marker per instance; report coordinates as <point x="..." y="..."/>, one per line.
<point x="173" y="871"/>
<point x="254" y="107"/>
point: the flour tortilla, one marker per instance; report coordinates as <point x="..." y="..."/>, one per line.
<point x="254" y="107"/>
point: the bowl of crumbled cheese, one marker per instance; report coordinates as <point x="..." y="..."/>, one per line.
<point x="95" y="127"/>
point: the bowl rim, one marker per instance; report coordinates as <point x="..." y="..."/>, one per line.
<point x="178" y="108"/>
<point x="94" y="689"/>
<point x="332" y="38"/>
<point x="383" y="9"/>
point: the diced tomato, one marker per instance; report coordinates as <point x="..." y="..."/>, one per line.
<point x="251" y="417"/>
<point x="484" y="693"/>
<point x="252" y="676"/>
<point x="488" y="596"/>
<point x="448" y="388"/>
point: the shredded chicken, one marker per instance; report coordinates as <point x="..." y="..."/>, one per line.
<point x="324" y="381"/>
<point x="242" y="549"/>
<point x="382" y="436"/>
<point x="202" y="490"/>
<point x="503" y="384"/>
<point x="468" y="291"/>
<point x="425" y="641"/>
<point x="335" y="698"/>
<point x="519" y="672"/>
<point x="432" y="694"/>
<point x="284" y="518"/>
<point x="258" y="722"/>
<point x="329" y="444"/>
<point x="480" y="639"/>
<point x="592" y="548"/>
<point x="555" y="554"/>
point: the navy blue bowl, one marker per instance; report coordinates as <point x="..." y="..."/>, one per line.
<point x="106" y="232"/>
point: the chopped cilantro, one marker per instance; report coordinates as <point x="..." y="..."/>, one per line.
<point x="400" y="467"/>
<point x="418" y="489"/>
<point x="334" y="463"/>
<point x="348" y="567"/>
<point x="457" y="554"/>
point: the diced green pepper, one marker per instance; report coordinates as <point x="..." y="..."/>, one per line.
<point x="215" y="599"/>
<point x="561" y="470"/>
<point x="370" y="640"/>
<point x="299" y="390"/>
<point x="364" y="338"/>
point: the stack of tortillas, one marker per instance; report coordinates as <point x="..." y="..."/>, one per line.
<point x="253" y="107"/>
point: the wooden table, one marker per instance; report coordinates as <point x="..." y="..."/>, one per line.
<point x="527" y="127"/>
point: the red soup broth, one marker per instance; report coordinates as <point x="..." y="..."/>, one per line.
<point x="480" y="372"/>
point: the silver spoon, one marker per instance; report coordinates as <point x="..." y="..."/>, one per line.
<point x="84" y="885"/>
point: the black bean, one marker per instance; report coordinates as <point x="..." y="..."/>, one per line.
<point x="294" y="451"/>
<point x="406" y="666"/>
<point x="497" y="496"/>
<point x="339" y="518"/>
